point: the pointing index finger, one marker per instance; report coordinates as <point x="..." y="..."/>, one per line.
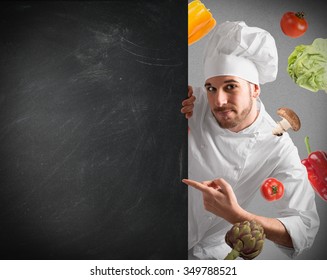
<point x="196" y="185"/>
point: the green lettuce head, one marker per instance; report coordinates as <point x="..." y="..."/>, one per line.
<point x="307" y="65"/>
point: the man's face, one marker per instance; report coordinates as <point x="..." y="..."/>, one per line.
<point x="231" y="100"/>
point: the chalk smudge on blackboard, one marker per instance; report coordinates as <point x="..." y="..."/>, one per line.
<point x="149" y="56"/>
<point x="133" y="206"/>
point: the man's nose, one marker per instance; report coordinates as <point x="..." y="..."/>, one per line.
<point x="220" y="98"/>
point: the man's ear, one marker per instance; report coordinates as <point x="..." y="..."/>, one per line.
<point x="256" y="91"/>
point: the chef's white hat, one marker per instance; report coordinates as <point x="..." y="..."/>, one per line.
<point x="235" y="49"/>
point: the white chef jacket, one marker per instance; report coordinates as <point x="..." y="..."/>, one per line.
<point x="245" y="159"/>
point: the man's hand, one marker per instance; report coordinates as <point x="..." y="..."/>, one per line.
<point x="188" y="104"/>
<point x="218" y="198"/>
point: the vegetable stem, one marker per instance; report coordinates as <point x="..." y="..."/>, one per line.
<point x="300" y="15"/>
<point x="306" y="141"/>
<point x="232" y="255"/>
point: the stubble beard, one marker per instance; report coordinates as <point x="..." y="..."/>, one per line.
<point x="229" y="123"/>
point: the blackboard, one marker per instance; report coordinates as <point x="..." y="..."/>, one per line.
<point x="93" y="146"/>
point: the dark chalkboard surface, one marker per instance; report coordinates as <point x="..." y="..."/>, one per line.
<point x="93" y="146"/>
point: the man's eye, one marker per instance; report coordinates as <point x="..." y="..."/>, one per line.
<point x="229" y="87"/>
<point x="210" y="89"/>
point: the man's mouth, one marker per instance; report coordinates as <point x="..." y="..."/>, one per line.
<point x="224" y="113"/>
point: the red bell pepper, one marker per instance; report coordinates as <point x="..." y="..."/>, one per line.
<point x="316" y="165"/>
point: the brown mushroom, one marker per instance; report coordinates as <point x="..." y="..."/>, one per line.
<point x="289" y="120"/>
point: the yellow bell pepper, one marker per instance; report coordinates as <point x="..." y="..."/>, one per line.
<point x="200" y="21"/>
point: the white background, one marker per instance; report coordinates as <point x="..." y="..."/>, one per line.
<point x="80" y="270"/>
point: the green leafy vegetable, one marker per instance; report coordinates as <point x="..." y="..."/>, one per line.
<point x="307" y="65"/>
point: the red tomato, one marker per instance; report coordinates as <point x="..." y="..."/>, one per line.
<point x="272" y="189"/>
<point x="293" y="24"/>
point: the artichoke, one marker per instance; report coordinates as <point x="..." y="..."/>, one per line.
<point x="246" y="240"/>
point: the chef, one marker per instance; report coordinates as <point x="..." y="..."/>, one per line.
<point x="232" y="149"/>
